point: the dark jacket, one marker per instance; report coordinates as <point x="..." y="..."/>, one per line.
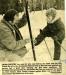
<point x="11" y="38"/>
<point x="55" y="29"/>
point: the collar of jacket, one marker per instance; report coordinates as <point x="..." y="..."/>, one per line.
<point x="8" y="24"/>
<point x="55" y="20"/>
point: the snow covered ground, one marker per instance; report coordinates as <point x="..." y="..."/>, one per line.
<point x="38" y="21"/>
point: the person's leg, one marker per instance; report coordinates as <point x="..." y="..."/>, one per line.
<point x="57" y="50"/>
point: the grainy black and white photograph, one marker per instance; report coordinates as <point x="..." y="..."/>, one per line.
<point x="33" y="31"/>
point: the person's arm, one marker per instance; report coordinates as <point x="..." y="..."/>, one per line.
<point x="8" y="40"/>
<point x="41" y="36"/>
<point x="22" y="22"/>
<point x="60" y="31"/>
<point x="60" y="35"/>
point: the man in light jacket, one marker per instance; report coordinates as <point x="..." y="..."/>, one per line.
<point x="11" y="40"/>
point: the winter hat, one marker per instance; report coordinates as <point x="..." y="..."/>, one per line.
<point x="51" y="11"/>
<point x="9" y="15"/>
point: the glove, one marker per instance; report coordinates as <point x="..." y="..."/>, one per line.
<point x="34" y="42"/>
<point x="27" y="40"/>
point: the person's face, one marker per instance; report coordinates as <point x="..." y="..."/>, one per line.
<point x="16" y="18"/>
<point x="49" y="18"/>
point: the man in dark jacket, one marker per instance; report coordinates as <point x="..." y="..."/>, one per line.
<point x="54" y="29"/>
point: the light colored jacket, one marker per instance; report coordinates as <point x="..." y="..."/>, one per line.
<point x="8" y="40"/>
